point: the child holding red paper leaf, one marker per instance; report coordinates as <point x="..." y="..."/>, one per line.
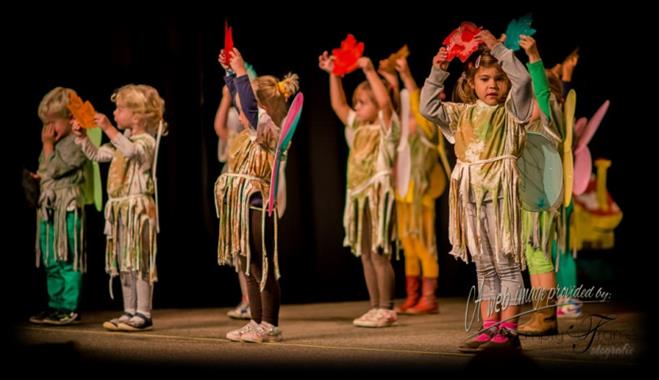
<point x="372" y="133"/>
<point x="488" y="130"/>
<point x="247" y="233"/>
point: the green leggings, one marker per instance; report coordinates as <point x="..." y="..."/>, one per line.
<point x="62" y="280"/>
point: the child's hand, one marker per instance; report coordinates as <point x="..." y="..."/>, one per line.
<point x="326" y="62"/>
<point x="221" y="58"/>
<point x="237" y="63"/>
<point x="530" y="47"/>
<point x="48" y="135"/>
<point x="388" y="73"/>
<point x="486" y="37"/>
<point x="401" y="66"/>
<point x="365" y="64"/>
<point x="77" y="130"/>
<point x="102" y="121"/>
<point x="439" y="61"/>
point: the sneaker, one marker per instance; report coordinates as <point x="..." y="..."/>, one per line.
<point x="504" y="339"/>
<point x="377" y="318"/>
<point x="263" y="333"/>
<point x="62" y="317"/>
<point x="113" y="324"/>
<point x="569" y="308"/>
<point x="42" y="316"/>
<point x="236" y="335"/>
<point x="366" y="320"/>
<point x="240" y="312"/>
<point x="138" y="322"/>
<point x="473" y="345"/>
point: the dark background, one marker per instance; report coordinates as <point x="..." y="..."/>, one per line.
<point x="175" y="50"/>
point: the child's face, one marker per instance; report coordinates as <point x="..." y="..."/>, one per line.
<point x="62" y="126"/>
<point x="365" y="109"/>
<point x="490" y="85"/>
<point x="123" y="116"/>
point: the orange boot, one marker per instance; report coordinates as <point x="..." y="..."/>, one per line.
<point x="428" y="302"/>
<point x="412" y="287"/>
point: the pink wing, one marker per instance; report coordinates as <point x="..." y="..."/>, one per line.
<point x="592" y="126"/>
<point x="583" y="166"/>
<point x="580" y="126"/>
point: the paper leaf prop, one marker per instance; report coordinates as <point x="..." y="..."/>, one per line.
<point x="568" y="159"/>
<point x="583" y="166"/>
<point x="92" y="188"/>
<point x="583" y="162"/>
<point x="580" y="126"/>
<point x="401" y="53"/>
<point x="287" y="130"/>
<point x="345" y="57"/>
<point x="586" y="135"/>
<point x="82" y="112"/>
<point x="460" y="43"/>
<point x="517" y="27"/>
<point x="251" y="73"/>
<point x="228" y="43"/>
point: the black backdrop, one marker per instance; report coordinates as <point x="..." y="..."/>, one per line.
<point x="175" y="50"/>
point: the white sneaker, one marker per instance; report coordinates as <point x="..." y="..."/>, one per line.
<point x="236" y="335"/>
<point x="366" y="320"/>
<point x="240" y="312"/>
<point x="569" y="308"/>
<point x="265" y="333"/>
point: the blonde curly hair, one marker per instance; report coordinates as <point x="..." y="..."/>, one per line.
<point x="145" y="102"/>
<point x="54" y="104"/>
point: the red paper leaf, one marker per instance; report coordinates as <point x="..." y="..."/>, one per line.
<point x="345" y="57"/>
<point x="228" y="43"/>
<point x="460" y="43"/>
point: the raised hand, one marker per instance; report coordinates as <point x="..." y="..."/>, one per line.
<point x="78" y="130"/>
<point x="440" y="60"/>
<point x="486" y="37"/>
<point x="326" y="62"/>
<point x="221" y="58"/>
<point x="237" y="63"/>
<point x="365" y="64"/>
<point x="530" y="47"/>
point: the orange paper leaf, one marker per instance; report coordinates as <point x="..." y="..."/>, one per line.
<point x="401" y="53"/>
<point x="83" y="112"/>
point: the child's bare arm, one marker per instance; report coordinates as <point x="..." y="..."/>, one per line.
<point x="406" y="75"/>
<point x="337" y="94"/>
<point x="222" y="113"/>
<point x="380" y="92"/>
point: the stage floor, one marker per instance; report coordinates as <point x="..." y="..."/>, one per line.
<point x="322" y="336"/>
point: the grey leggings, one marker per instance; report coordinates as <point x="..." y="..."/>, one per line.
<point x="495" y="277"/>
